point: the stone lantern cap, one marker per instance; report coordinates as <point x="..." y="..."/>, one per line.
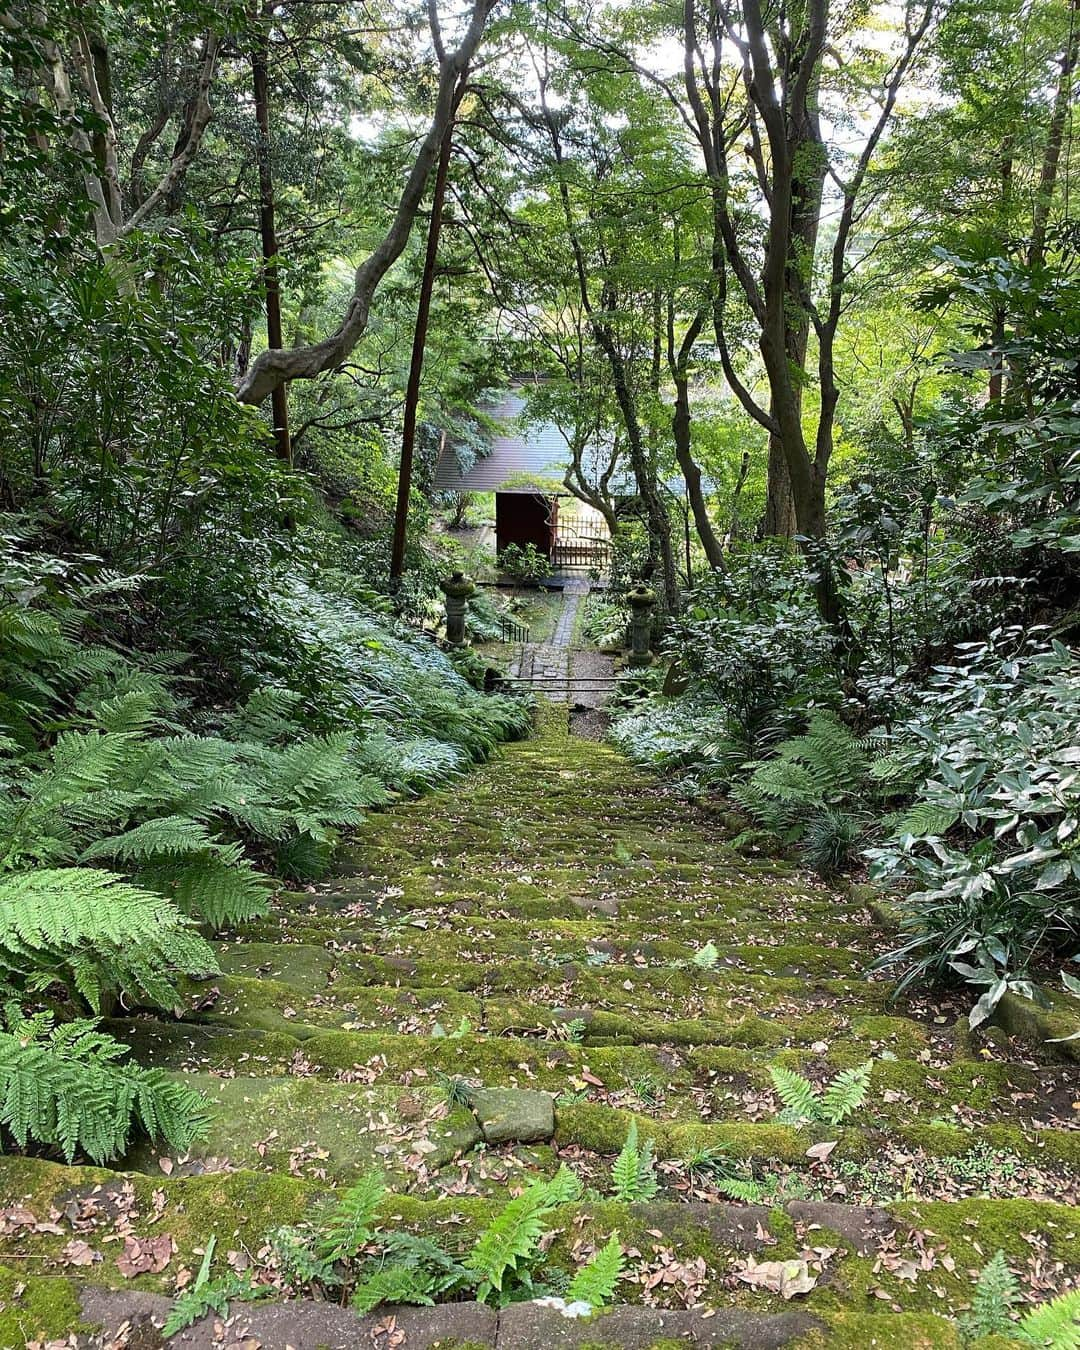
<point x="642" y="596"/>
<point x="458" y="586"/>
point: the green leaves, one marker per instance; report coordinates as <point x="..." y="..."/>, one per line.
<point x="633" y="1174"/>
<point x="987" y="853"/>
<point x="93" y="932"/>
<point x="350" y="1225"/>
<point x="210" y="1295"/>
<point x="508" y="1246"/>
<point x="1055" y="1324"/>
<point x="803" y="1104"/>
<point x="66" y="1087"/>
<point x="795" y="1092"/>
<point x="595" y="1282"/>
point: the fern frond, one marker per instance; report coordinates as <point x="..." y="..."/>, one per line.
<point x="221" y="888"/>
<point x="738" y="1188"/>
<point x="93" y="931"/>
<point x="624" y="1171"/>
<point x="795" y="1092"/>
<point x="394" y="1284"/>
<point x="164" y="836"/>
<point x="926" y="820"/>
<point x="996" y="1292"/>
<point x="595" y="1282"/>
<point x="510" y="1241"/>
<point x="845" y="1094"/>
<point x="350" y="1225"/>
<point x="64" y="1086"/>
<point x="789" y="782"/>
<point x="633" y="1174"/>
<point x="1055" y="1324"/>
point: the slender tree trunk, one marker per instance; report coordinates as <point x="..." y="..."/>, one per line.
<point x="680" y="428"/>
<point x="779" y="517"/>
<point x="744" y="472"/>
<point x="1055" y="139"/>
<point x="279" y="399"/>
<point x="416" y="364"/>
<point x="807" y="189"/>
<point x="659" y="521"/>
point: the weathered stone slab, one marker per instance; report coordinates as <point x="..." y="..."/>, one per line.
<point x="309" y="1127"/>
<point x="514" y="1115"/>
<point x="301" y="1324"/>
<point x="527" y="1326"/>
<point x="1049" y="1027"/>
<point x="865" y="1227"/>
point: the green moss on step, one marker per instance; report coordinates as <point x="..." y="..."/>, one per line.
<point x="36" y="1308"/>
<point x="897" y="1331"/>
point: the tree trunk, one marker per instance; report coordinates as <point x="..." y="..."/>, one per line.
<point x="279" y="399"/>
<point x="304" y="363"/>
<point x="779" y="517"/>
<point x="807" y="189"/>
<point x="659" y="522"/>
<point x="416" y="364"/>
<point x="680" y="428"/>
<point x="1055" y="139"/>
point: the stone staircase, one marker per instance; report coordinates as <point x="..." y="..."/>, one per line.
<point x="505" y="980"/>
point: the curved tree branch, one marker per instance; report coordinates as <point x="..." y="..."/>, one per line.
<point x="274" y="366"/>
<point x="188" y="145"/>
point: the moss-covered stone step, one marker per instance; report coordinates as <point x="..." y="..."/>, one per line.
<point x="327" y="1131"/>
<point x="916" y="1078"/>
<point x="500" y="983"/>
<point x="306" y="1325"/>
<point x="644" y="1013"/>
<point x="919" y="1259"/>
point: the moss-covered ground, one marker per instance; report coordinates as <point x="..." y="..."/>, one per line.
<point x="541" y="926"/>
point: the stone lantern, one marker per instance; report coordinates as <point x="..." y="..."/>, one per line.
<point x="457" y="588"/>
<point x="642" y="603"/>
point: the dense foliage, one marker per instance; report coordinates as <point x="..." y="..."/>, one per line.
<point x="841" y="438"/>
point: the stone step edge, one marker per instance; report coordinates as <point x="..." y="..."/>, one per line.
<point x="307" y="1325"/>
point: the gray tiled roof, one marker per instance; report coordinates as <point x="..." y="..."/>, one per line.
<point x="521" y="459"/>
<point x="530" y="459"/>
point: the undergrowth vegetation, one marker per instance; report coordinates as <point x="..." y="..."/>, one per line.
<point x="351" y="1254"/>
<point x="929" y="732"/>
<point x="150" y="793"/>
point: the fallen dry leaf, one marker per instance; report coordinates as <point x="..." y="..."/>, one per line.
<point x="786" y="1278"/>
<point x="79" y="1253"/>
<point x="142" y="1256"/>
<point x="819" y="1152"/>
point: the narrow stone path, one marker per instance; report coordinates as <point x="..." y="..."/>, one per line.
<point x="512" y="972"/>
<point x="556" y="671"/>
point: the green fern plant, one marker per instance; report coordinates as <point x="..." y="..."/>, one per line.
<point x="803" y="1103"/>
<point x="207" y="1295"/>
<point x="997" y="1291"/>
<point x="394" y="1283"/>
<point x="813" y="791"/>
<point x="505" y="1251"/>
<point x="1055" y="1324"/>
<point x="410" y="1270"/>
<point x="65" y="1086"/>
<point x="705" y="958"/>
<point x="351" y="1224"/>
<point x="94" y="934"/>
<point x="595" y="1282"/>
<point x="633" y="1174"/>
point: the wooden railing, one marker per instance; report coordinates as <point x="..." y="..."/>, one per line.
<point x="573" y="548"/>
<point x="512" y="631"/>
